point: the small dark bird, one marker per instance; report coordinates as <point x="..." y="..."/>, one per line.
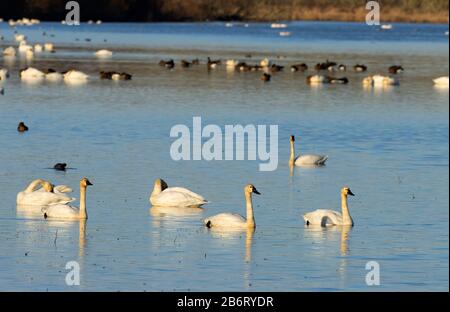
<point x="343" y="80"/>
<point x="395" y="69"/>
<point x="60" y="166"/>
<point x="213" y="64"/>
<point x="299" y="67"/>
<point x="265" y="77"/>
<point x="185" y="64"/>
<point x="360" y="68"/>
<point x="325" y="66"/>
<point x="22" y="127"/>
<point x="276" y="68"/>
<point x="195" y="62"/>
<point x="167" y="64"/>
<point x="2" y="91"/>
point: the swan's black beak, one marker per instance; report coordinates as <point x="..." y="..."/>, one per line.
<point x="88" y="182"/>
<point x="292" y="138"/>
<point x="256" y="191"/>
<point x="350" y="193"/>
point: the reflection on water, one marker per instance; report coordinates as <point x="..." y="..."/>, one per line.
<point x="384" y="143"/>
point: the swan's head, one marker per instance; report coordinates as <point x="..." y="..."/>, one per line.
<point x="346" y="191"/>
<point x="48" y="187"/>
<point x="161" y="184"/>
<point x="85" y="182"/>
<point x="250" y="188"/>
<point x="292" y="138"/>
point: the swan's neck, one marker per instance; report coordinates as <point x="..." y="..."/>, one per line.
<point x="83" y="212"/>
<point x="292" y="156"/>
<point x="249" y="206"/>
<point x="33" y="185"/>
<point x="157" y="189"/>
<point x="346" y="218"/>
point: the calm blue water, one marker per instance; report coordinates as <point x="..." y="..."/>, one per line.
<point x="390" y="146"/>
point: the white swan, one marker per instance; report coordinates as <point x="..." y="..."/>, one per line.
<point x="441" y="81"/>
<point x="317" y="79"/>
<point x="53" y="76"/>
<point x="305" y="160"/>
<point x="380" y="81"/>
<point x="3" y="74"/>
<point x="235" y="221"/>
<point x="9" y="51"/>
<point x="35" y="195"/>
<point x="49" y="47"/>
<point x="103" y="53"/>
<point x="265" y="62"/>
<point x="20" y="37"/>
<point x="61" y="211"/>
<point x="75" y="75"/>
<point x="162" y="195"/>
<point x="38" y="48"/>
<point x="31" y="74"/>
<point x="326" y="217"/>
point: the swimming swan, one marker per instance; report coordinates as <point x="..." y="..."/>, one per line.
<point x="305" y="160"/>
<point x="41" y="193"/>
<point x="64" y="211"/>
<point x="326" y="217"/>
<point x="441" y="81"/>
<point x="74" y="75"/>
<point x="232" y="220"/>
<point x="162" y="195"/>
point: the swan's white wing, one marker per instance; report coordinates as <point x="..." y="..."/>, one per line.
<point x="59" y="211"/>
<point x="323" y="217"/>
<point x="442" y="81"/>
<point x="310" y="160"/>
<point x="225" y="220"/>
<point x="62" y="189"/>
<point x="42" y="198"/>
<point x="178" y="196"/>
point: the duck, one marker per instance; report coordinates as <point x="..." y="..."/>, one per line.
<point x="121" y="76"/>
<point x="41" y="192"/>
<point x="4" y="74"/>
<point x="213" y="64"/>
<point x="265" y="77"/>
<point x="343" y="80"/>
<point x="75" y="75"/>
<point x="195" y="62"/>
<point x="167" y="64"/>
<point x="22" y="127"/>
<point x="325" y="217"/>
<point x="53" y="75"/>
<point x="231" y="221"/>
<point x="103" y="53"/>
<point x="441" y="81"/>
<point x="325" y="66"/>
<point x="60" y="166"/>
<point x="299" y="67"/>
<point x="185" y="64"/>
<point x="360" y="68"/>
<point x="31" y="73"/>
<point x="396" y="69"/>
<point x="9" y="51"/>
<point x="305" y="160"/>
<point x="276" y="68"/>
<point x="162" y="195"/>
<point x="68" y="212"/>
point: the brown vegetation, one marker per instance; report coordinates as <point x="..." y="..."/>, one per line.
<point x="433" y="11"/>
